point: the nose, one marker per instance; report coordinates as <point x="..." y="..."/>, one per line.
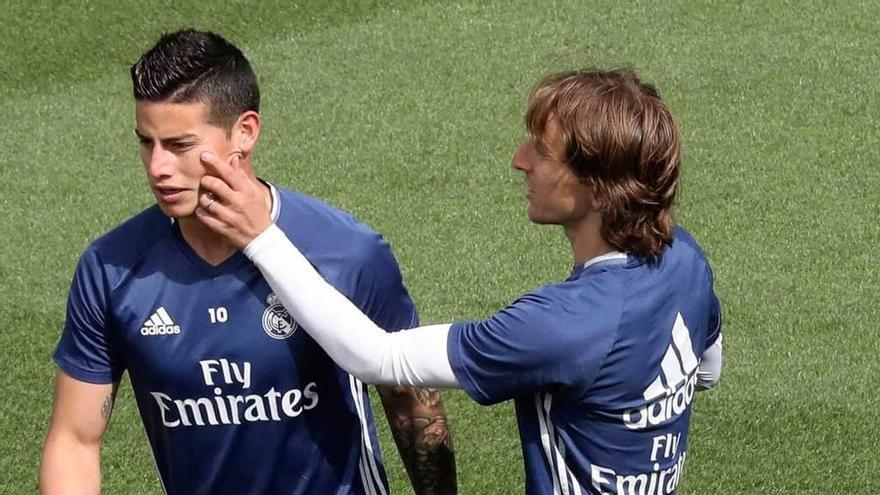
<point x="520" y="157"/>
<point x="157" y="162"/>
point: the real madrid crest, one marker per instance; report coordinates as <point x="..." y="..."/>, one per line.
<point x="277" y="322"/>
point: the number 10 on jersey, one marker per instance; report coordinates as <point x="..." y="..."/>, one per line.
<point x="218" y="314"/>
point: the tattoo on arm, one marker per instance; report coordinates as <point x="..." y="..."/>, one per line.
<point x="418" y="423"/>
<point x="107" y="406"/>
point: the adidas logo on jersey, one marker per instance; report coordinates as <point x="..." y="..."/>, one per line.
<point x="160" y="324"/>
<point x="670" y="394"/>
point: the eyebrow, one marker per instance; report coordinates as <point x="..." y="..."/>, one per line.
<point x="182" y="137"/>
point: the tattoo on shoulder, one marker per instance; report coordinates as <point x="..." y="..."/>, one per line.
<point x="107" y="407"/>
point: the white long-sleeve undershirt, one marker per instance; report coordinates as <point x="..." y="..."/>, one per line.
<point x="414" y="357"/>
<point x="709" y="371"/>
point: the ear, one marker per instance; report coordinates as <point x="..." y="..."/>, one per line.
<point x="597" y="198"/>
<point x="246" y="132"/>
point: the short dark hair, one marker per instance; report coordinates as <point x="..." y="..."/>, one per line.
<point x="620" y="138"/>
<point x="198" y="66"/>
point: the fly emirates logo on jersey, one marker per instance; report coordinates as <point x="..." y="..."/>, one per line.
<point x="222" y="408"/>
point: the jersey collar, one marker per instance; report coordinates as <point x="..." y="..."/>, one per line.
<point x="276" y="204"/>
<point x="613" y="257"/>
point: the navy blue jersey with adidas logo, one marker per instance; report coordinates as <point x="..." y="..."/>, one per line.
<point x="235" y="397"/>
<point x="602" y="368"/>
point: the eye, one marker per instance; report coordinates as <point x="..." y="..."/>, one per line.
<point x="181" y="147"/>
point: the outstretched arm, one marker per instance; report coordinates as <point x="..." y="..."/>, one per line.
<point x="416" y="357"/>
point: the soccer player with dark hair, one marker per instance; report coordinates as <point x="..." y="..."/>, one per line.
<point x="603" y="366"/>
<point x="235" y="397"/>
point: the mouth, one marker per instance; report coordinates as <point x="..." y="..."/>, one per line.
<point x="169" y="194"/>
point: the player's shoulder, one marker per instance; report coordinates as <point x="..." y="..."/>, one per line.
<point x="682" y="251"/>
<point x="318" y="227"/>
<point x="683" y="241"/>
<point x="110" y="259"/>
<point x="126" y="243"/>
<point x="128" y="240"/>
<point x="686" y="250"/>
<point x="591" y="296"/>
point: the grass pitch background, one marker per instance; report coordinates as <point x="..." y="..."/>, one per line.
<point x="407" y="114"/>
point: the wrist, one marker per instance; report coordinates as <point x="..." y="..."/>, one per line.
<point x="263" y="241"/>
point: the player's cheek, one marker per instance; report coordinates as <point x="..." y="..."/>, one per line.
<point x="194" y="167"/>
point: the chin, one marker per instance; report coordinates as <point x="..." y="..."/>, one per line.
<point x="544" y="218"/>
<point x="176" y="211"/>
<point x="537" y="218"/>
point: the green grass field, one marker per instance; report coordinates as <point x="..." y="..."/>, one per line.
<point x="408" y="113"/>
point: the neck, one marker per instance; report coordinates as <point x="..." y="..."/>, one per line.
<point x="209" y="245"/>
<point x="586" y="240"/>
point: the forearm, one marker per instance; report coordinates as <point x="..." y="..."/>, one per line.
<point x="416" y="358"/>
<point x="70" y="466"/>
<point x="418" y="424"/>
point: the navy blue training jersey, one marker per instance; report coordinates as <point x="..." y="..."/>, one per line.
<point x="602" y="369"/>
<point x="235" y="397"/>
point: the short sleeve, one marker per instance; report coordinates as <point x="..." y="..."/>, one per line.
<point x="535" y="343"/>
<point x="83" y="352"/>
<point x="379" y="291"/>
<point x="715" y="319"/>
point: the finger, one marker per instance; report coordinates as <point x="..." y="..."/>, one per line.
<point x="241" y="177"/>
<point x="206" y="201"/>
<point x="220" y="189"/>
<point x="210" y="219"/>
<point x="214" y="166"/>
<point x="235" y="160"/>
<point x="208" y="206"/>
<point x="211" y="207"/>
